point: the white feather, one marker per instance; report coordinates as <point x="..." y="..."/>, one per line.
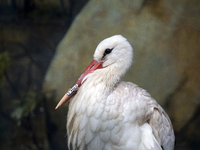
<point x="98" y="112"/>
<point x="95" y="124"/>
<point x="88" y="135"/>
<point x="90" y="110"/>
<point x="105" y="136"/>
<point x="84" y="121"/>
<point x="111" y="124"/>
<point x="104" y="126"/>
<point x="104" y="116"/>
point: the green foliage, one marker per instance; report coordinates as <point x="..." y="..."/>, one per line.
<point x="5" y="62"/>
<point x="24" y="106"/>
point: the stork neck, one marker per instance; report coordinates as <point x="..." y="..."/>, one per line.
<point x="104" y="80"/>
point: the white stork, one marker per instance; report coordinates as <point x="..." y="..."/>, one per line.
<point x="108" y="114"/>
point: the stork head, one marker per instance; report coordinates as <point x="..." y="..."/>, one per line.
<point x="113" y="53"/>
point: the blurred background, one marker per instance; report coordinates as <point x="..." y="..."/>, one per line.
<point x="46" y="44"/>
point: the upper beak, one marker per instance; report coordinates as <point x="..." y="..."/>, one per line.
<point x="72" y="91"/>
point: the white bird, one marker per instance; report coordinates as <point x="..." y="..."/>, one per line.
<point x="106" y="113"/>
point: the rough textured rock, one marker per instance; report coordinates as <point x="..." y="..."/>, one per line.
<point x="165" y="36"/>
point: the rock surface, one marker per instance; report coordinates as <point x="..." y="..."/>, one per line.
<point x="165" y="37"/>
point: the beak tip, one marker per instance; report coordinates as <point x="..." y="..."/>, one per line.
<point x="57" y="107"/>
<point x="62" y="101"/>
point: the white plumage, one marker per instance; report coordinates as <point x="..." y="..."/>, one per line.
<point x="106" y="113"/>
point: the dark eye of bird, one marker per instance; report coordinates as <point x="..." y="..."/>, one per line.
<point x="107" y="51"/>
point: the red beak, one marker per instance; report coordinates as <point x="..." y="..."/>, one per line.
<point x="72" y="91"/>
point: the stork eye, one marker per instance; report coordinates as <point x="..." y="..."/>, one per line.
<point x="108" y="51"/>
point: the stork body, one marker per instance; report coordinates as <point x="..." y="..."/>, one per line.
<point x="106" y="113"/>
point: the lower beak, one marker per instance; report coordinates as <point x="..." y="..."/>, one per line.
<point x="94" y="65"/>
